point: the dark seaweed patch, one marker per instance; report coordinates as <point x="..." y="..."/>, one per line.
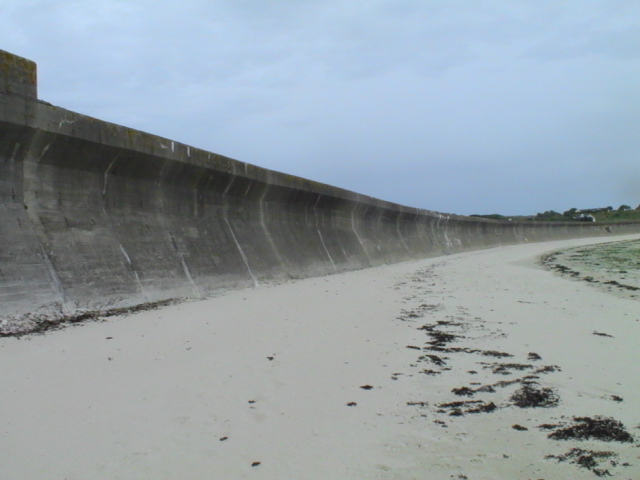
<point x="621" y="285"/>
<point x="450" y="349"/>
<point x="506" y="368"/>
<point x="531" y="395"/>
<point x="435" y="359"/>
<point x="493" y="353"/>
<point x="506" y="383"/>
<point x="588" y="459"/>
<point x="457" y="409"/>
<point x="549" y="426"/>
<point x="484" y="408"/>
<point x="46" y="323"/>
<point x="601" y="428"/>
<point x="548" y="369"/>
<point x="442" y="338"/>
<point x="464" y="391"/>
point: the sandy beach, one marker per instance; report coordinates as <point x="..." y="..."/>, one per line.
<point x="353" y="376"/>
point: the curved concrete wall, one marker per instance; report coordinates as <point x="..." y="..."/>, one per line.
<point x="94" y="215"/>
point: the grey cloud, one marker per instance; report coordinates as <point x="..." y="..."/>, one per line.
<point x="455" y="106"/>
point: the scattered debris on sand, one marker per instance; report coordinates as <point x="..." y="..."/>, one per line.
<point x="589" y="459"/>
<point x="506" y="368"/>
<point x="601" y="334"/>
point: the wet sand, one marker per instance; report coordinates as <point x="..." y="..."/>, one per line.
<point x="349" y="376"/>
<point x="612" y="267"/>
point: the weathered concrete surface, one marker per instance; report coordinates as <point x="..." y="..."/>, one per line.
<point x="94" y="215"/>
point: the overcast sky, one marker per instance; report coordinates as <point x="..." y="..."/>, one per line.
<point x="466" y="107"/>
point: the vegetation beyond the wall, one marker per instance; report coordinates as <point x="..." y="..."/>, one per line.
<point x="624" y="213"/>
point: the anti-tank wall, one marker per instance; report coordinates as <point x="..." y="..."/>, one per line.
<point x="96" y="215"/>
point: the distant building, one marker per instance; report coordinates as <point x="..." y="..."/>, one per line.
<point x="585" y="218"/>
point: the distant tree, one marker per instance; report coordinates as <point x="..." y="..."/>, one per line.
<point x="492" y="216"/>
<point x="622" y="208"/>
<point x="638" y="207"/>
<point x="609" y="209"/>
<point x="549" y="215"/>
<point x="570" y="213"/>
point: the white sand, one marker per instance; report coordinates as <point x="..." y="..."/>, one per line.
<point x="156" y="399"/>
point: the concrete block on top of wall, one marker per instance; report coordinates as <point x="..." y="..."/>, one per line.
<point x="18" y="76"/>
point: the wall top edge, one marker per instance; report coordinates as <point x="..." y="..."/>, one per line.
<point x="18" y="96"/>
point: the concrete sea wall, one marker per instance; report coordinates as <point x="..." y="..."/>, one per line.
<point x="96" y="215"/>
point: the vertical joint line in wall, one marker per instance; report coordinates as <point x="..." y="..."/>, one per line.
<point x="164" y="167"/>
<point x="185" y="267"/>
<point x="16" y="147"/>
<point x="138" y="282"/>
<point x="226" y="190"/>
<point x="324" y="245"/>
<point x="266" y="230"/>
<point x="355" y="231"/>
<point x="244" y="257"/>
<point x="196" y="196"/>
<point x="400" y="234"/>
<point x="106" y="175"/>
<point x="160" y="190"/>
<point x="44" y="150"/>
<point x="327" y="250"/>
<point x="449" y="243"/>
<point x="54" y="277"/>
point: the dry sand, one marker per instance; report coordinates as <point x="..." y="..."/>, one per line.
<point x="257" y="384"/>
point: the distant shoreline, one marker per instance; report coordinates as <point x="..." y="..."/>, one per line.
<point x="611" y="267"/>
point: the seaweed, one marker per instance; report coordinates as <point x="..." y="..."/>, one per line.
<point x="41" y="324"/>
<point x="484" y="408"/>
<point x="435" y="359"/>
<point x="548" y="369"/>
<point x="505" y="368"/>
<point x="435" y="348"/>
<point x="460" y="408"/>
<point x="601" y="428"/>
<point x="549" y="426"/>
<point x="530" y="395"/>
<point x="493" y="353"/>
<point x="588" y="459"/>
<point x="602" y="334"/>
<point x="464" y="391"/>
